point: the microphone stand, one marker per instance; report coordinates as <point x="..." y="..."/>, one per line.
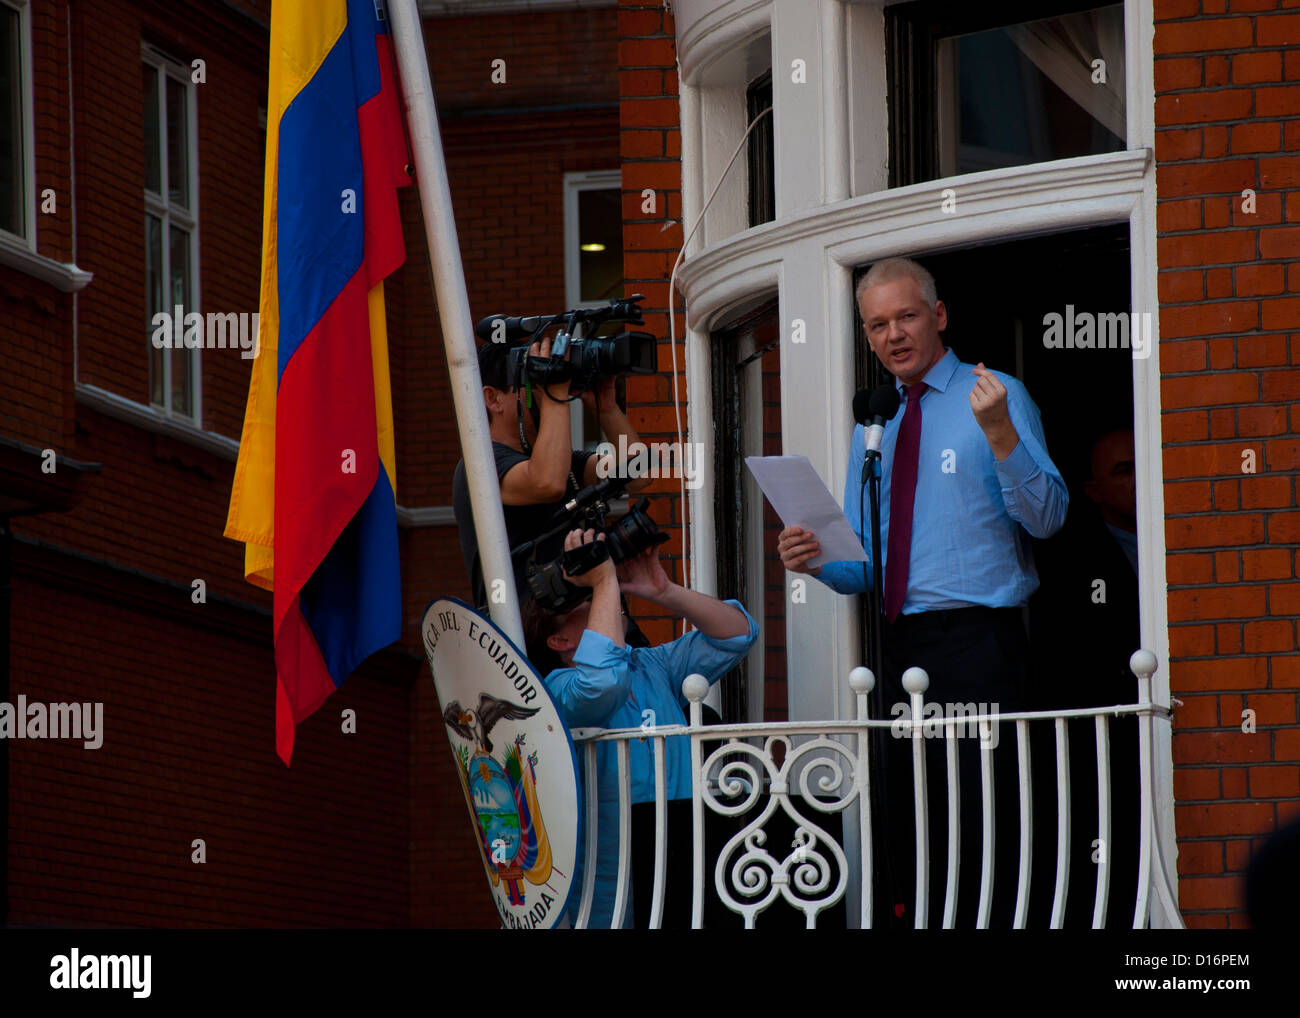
<point x="875" y="607"/>
<point x="883" y="877"/>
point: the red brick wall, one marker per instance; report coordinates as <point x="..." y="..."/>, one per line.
<point x="189" y="689"/>
<point x="650" y="144"/>
<point x="50" y="98"/>
<point x="104" y="836"/>
<point x="1227" y="76"/>
<point x="36" y="401"/>
<point x="552" y="58"/>
<point x="37" y="397"/>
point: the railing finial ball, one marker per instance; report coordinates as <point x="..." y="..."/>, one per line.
<point x="695" y="687"/>
<point x="862" y="680"/>
<point x="1143" y="664"/>
<point x="915" y="680"/>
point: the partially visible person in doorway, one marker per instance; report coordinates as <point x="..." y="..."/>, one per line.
<point x="1085" y="626"/>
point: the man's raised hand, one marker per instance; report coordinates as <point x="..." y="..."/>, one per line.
<point x="988" y="401"/>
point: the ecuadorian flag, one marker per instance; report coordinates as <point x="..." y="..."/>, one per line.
<point x="313" y="497"/>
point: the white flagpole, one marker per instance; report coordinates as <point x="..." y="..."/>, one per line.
<point x="453" y="308"/>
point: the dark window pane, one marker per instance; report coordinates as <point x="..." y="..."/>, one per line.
<point x="181" y="361"/>
<point x="180" y="294"/>
<point x="977" y="86"/>
<point x="12" y="185"/>
<point x="152" y="131"/>
<point x="600" y="238"/>
<point x="1032" y="92"/>
<point x="153" y="254"/>
<point x="180" y="268"/>
<point x="178" y="184"/>
<point x="761" y="154"/>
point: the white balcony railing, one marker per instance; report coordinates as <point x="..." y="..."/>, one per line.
<point x="792" y="768"/>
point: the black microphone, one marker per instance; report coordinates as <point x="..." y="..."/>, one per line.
<point x="861" y="404"/>
<point x="500" y="328"/>
<point x="872" y="409"/>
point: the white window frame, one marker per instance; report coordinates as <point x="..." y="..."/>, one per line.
<point x="158" y="205"/>
<point x="26" y="127"/>
<point x="18" y="250"/>
<point x="575" y="184"/>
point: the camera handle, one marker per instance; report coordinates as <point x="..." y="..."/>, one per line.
<point x="579" y="560"/>
<point x="558" y="348"/>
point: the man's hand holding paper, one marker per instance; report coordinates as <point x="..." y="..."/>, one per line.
<point x="806" y="508"/>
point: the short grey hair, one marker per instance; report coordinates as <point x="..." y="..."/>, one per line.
<point x="888" y="269"/>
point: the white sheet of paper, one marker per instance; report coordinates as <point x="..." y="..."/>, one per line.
<point x="802" y="500"/>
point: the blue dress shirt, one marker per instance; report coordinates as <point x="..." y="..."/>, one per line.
<point x="973" y="516"/>
<point x="609" y="687"/>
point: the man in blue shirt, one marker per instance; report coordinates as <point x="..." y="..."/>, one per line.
<point x="599" y="682"/>
<point x="966" y="482"/>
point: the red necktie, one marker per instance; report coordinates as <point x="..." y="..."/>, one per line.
<point x="902" y="497"/>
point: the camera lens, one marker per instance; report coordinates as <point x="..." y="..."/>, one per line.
<point x="633" y="534"/>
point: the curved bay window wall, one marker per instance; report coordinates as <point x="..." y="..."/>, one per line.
<point x="1034" y="112"/>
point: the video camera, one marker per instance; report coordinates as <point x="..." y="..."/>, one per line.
<point x="587" y="510"/>
<point x="578" y="356"/>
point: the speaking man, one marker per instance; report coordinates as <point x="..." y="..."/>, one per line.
<point x="536" y="466"/>
<point x="966" y="482"/>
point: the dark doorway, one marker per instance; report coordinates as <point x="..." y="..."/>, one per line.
<point x="747" y="418"/>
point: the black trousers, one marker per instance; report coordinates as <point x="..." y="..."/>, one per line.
<point x="976" y="658"/>
<point x="678" y="870"/>
<point x="1085" y="845"/>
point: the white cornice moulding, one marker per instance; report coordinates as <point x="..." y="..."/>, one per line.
<point x="437" y="8"/>
<point x="426" y="516"/>
<point x="183" y="429"/>
<point x="62" y="276"/>
<point x="707" y="31"/>
<point x="110" y="404"/>
<point x="1001" y="203"/>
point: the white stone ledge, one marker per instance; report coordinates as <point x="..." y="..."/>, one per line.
<point x="63" y="276"/>
<point x="1002" y="203"/>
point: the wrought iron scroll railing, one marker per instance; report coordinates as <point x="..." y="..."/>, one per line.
<point x="806" y="773"/>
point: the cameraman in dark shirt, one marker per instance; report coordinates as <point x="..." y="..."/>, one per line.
<point x="536" y="467"/>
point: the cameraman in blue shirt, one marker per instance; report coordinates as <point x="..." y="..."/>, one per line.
<point x="600" y="682"/>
